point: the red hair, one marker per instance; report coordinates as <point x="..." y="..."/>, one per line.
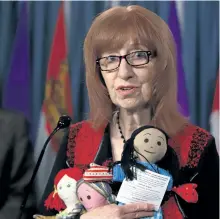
<point x="53" y="201"/>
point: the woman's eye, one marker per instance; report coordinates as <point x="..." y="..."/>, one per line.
<point x="81" y="199"/>
<point x="146" y="140"/>
<point x="88" y="197"/>
<point x="140" y="54"/>
<point x="111" y="59"/>
<point x="159" y="143"/>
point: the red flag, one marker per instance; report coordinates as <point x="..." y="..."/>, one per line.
<point x="57" y="100"/>
<point x="214" y="119"/>
<point x="57" y="95"/>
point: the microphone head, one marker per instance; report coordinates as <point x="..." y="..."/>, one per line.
<point x="64" y="122"/>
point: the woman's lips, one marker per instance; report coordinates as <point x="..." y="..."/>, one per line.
<point x="126" y="90"/>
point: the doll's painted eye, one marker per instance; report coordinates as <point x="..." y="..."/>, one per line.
<point x="60" y="187"/>
<point x="159" y="143"/>
<point x="146" y="140"/>
<point x="88" y="197"/>
<point x="68" y="185"/>
<point x="81" y="199"/>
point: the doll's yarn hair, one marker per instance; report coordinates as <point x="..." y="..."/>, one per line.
<point x="168" y="162"/>
<point x="54" y="201"/>
<point x="102" y="188"/>
<point x="128" y="160"/>
<point x="74" y="173"/>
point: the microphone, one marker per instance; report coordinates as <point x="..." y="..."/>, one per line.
<point x="64" y="122"/>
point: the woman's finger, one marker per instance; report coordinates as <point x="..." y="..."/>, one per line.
<point x="139" y="214"/>
<point x="136" y="207"/>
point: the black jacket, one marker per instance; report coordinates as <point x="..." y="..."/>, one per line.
<point x="202" y="167"/>
<point x="16" y="165"/>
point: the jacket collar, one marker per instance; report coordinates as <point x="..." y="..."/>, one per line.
<point x="104" y="151"/>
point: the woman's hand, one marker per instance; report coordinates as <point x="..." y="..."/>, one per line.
<point x="128" y="211"/>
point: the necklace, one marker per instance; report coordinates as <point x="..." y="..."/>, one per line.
<point x="119" y="127"/>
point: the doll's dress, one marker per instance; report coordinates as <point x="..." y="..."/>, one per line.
<point x="71" y="215"/>
<point x="119" y="176"/>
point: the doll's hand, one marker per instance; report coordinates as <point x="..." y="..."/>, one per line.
<point x="128" y="211"/>
<point x="37" y="216"/>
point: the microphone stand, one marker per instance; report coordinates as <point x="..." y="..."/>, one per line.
<point x="63" y="122"/>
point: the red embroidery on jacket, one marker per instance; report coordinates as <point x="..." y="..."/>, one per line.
<point x="199" y="140"/>
<point x="189" y="144"/>
<point x="73" y="131"/>
<point x="83" y="144"/>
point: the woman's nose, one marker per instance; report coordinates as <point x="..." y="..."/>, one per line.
<point x="125" y="71"/>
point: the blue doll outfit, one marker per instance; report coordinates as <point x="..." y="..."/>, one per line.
<point x="119" y="176"/>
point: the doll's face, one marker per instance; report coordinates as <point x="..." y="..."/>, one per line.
<point x="151" y="143"/>
<point x="66" y="189"/>
<point x="90" y="198"/>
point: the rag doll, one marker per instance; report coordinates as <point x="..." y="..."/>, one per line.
<point x="147" y="149"/>
<point x="64" y="198"/>
<point x="94" y="190"/>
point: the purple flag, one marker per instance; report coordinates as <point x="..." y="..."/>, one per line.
<point x="174" y="27"/>
<point x="17" y="87"/>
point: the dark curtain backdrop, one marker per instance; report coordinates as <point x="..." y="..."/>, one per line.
<point x="200" y="46"/>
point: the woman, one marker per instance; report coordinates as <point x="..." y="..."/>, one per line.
<point x="131" y="78"/>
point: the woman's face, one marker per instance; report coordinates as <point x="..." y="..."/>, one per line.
<point x="129" y="86"/>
